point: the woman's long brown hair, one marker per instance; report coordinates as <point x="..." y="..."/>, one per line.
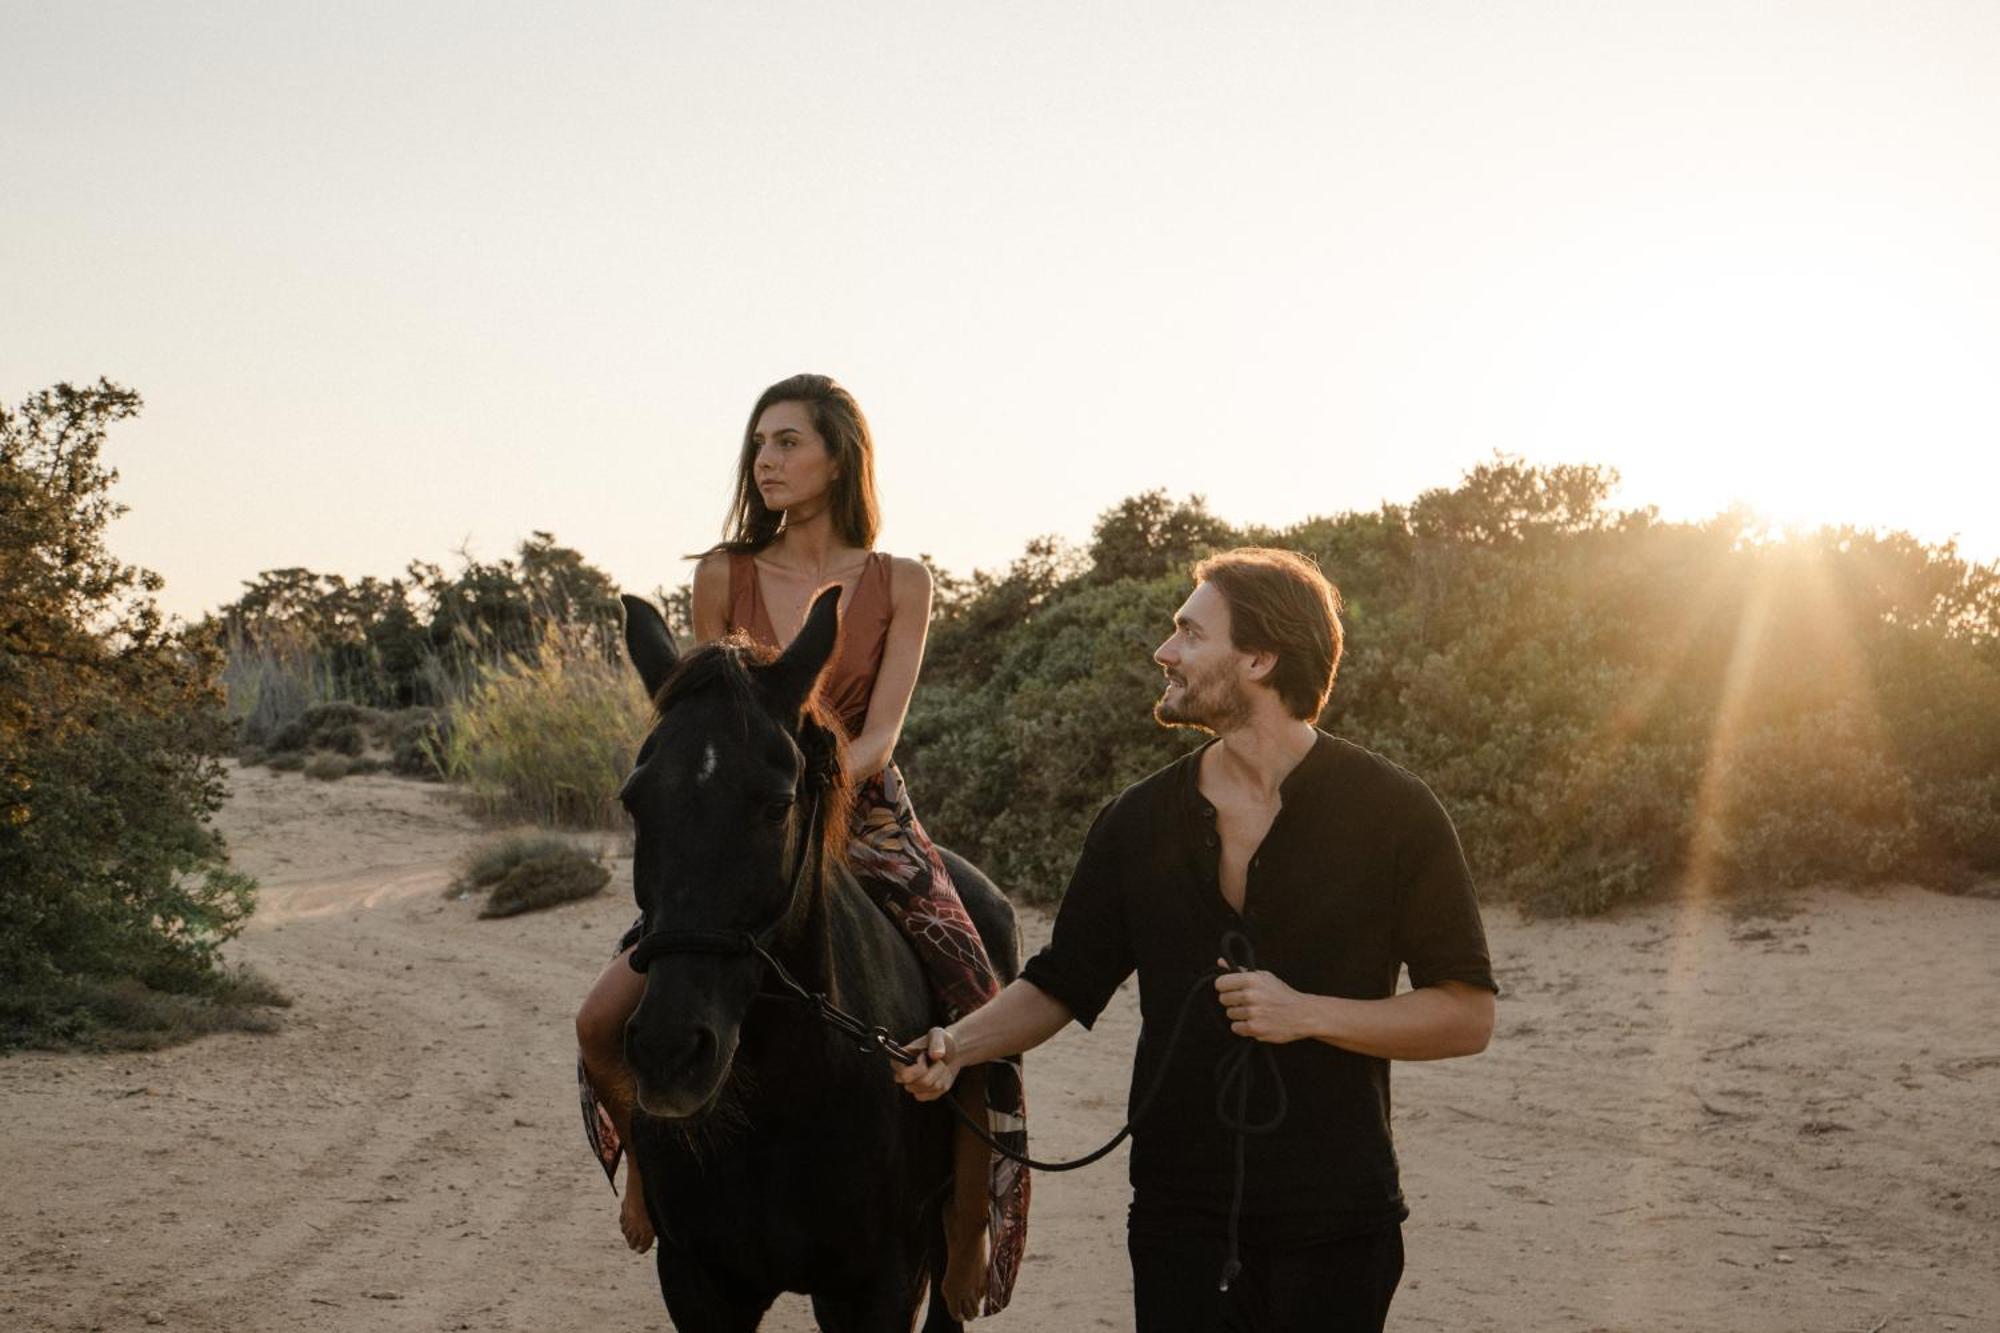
<point x="751" y="526"/>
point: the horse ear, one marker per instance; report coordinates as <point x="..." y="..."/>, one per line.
<point x="791" y="678"/>
<point x="648" y="642"/>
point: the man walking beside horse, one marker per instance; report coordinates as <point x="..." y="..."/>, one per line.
<point x="1268" y="888"/>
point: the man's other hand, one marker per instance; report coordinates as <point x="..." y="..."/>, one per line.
<point x="936" y="1068"/>
<point x="1261" y="1006"/>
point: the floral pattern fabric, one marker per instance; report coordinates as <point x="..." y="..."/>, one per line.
<point x="898" y="865"/>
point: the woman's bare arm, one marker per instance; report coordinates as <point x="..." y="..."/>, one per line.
<point x="711" y="597"/>
<point x="902" y="656"/>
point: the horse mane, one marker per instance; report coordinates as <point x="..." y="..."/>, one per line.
<point x="731" y="664"/>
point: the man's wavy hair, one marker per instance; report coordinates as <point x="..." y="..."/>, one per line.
<point x="1280" y="603"/>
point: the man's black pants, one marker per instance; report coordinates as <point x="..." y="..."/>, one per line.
<point x="1336" y="1286"/>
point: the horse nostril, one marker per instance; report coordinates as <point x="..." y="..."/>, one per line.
<point x="697" y="1051"/>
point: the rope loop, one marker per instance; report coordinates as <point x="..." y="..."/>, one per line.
<point x="1234" y="1073"/>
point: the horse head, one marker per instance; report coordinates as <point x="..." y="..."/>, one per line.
<point x="731" y="796"/>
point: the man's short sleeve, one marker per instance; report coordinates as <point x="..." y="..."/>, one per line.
<point x="1089" y="955"/>
<point x="1438" y="931"/>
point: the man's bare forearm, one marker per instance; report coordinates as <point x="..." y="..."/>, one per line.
<point x="1018" y="1019"/>
<point x="1429" y="1023"/>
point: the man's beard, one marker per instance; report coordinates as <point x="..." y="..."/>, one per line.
<point x="1212" y="704"/>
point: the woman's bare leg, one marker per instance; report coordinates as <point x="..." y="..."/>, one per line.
<point x="965" y="1239"/>
<point x="600" y="1035"/>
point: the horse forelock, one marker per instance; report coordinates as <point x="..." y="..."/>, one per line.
<point x="730" y="665"/>
<point x="725" y="664"/>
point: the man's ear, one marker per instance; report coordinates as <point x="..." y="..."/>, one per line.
<point x="1261" y="665"/>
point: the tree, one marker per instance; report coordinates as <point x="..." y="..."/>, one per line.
<point x="1148" y="535"/>
<point x="111" y="733"/>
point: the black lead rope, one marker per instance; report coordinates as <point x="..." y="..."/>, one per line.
<point x="1233" y="1076"/>
<point x="1233" y="1071"/>
<point x="879" y="1039"/>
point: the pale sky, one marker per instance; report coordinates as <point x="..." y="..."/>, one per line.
<point x="393" y="277"/>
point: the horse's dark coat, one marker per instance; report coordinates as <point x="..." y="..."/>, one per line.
<point x="775" y="1157"/>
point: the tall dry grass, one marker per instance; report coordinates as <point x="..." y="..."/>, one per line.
<point x="548" y="740"/>
<point x="269" y="687"/>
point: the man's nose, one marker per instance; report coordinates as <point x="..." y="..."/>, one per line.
<point x="1165" y="654"/>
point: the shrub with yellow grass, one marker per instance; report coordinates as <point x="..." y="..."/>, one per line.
<point x="549" y="739"/>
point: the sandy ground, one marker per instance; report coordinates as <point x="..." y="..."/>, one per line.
<point x="1686" y="1121"/>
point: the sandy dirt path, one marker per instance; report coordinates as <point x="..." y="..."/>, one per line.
<point x="1686" y="1121"/>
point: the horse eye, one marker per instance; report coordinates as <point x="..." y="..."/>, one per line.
<point x="778" y="811"/>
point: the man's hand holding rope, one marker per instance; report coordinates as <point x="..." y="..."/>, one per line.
<point x="936" y="1068"/>
<point x="1261" y="1006"/>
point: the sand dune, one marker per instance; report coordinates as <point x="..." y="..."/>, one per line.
<point x="1686" y="1121"/>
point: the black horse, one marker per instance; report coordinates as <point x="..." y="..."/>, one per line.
<point x="776" y="1157"/>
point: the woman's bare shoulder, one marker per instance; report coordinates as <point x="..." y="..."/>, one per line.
<point x="711" y="580"/>
<point x="907" y="575"/>
<point x="909" y="588"/>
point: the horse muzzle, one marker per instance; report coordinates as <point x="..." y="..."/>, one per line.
<point x="678" y="1069"/>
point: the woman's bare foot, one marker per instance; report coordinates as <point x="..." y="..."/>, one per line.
<point x="964" y="1285"/>
<point x="632" y="1217"/>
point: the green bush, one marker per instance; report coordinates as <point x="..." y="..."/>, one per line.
<point x="407" y="741"/>
<point x="126" y="1014"/>
<point x="327" y="767"/>
<point x="1609" y="706"/>
<point x="489" y="862"/>
<point x="416" y="739"/>
<point x="1015" y="755"/>
<point x="118" y="892"/>
<point x="337" y="725"/>
<point x="545" y="881"/>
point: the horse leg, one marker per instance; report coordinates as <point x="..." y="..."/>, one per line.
<point x="965" y="1216"/>
<point x="698" y="1304"/>
<point x="600" y="1035"/>
<point x="886" y="1304"/>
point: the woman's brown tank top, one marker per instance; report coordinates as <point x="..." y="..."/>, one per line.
<point x="864" y="629"/>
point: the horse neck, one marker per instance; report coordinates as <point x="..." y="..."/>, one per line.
<point x="805" y="946"/>
<point x="799" y="1059"/>
<point x="819" y="948"/>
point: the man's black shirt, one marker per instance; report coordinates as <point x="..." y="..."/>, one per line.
<point x="1360" y="874"/>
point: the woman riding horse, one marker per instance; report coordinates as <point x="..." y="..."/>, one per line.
<point x="804" y="517"/>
